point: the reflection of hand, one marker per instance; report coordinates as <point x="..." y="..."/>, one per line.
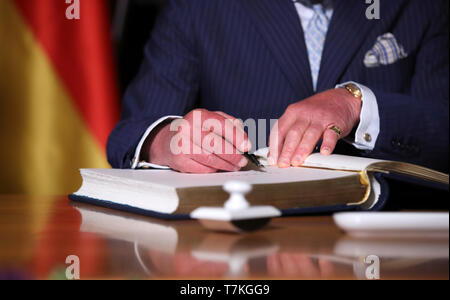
<point x="298" y="265"/>
<point x="184" y="264"/>
<point x="210" y="141"/>
<point x="306" y="122"/>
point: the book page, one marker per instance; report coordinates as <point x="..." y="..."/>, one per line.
<point x="169" y="178"/>
<point x="339" y="162"/>
<point x="334" y="161"/>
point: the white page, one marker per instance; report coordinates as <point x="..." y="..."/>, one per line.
<point x="339" y="162"/>
<point x="334" y="161"/>
<point x="179" y="180"/>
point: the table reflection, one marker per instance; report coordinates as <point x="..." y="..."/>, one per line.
<point x="114" y="245"/>
<point x="184" y="249"/>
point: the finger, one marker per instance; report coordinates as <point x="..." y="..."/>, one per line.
<point x="291" y="143"/>
<point x="237" y="160"/>
<point x="273" y="265"/>
<point x="184" y="164"/>
<point x="236" y="122"/>
<point x="277" y="136"/>
<point x="307" y="267"/>
<point x="210" y="269"/>
<point x="215" y="144"/>
<point x="213" y="161"/>
<point x="307" y="144"/>
<point x="233" y="134"/>
<point x="330" y="139"/>
<point x="288" y="264"/>
<point x="326" y="268"/>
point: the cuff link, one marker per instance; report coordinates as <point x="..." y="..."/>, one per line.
<point x="367" y="137"/>
<point x="140" y="164"/>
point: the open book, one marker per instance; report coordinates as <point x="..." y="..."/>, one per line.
<point x="323" y="183"/>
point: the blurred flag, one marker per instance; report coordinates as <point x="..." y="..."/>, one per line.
<point x="58" y="99"/>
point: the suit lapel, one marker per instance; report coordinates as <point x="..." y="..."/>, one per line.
<point x="347" y="31"/>
<point x="281" y="29"/>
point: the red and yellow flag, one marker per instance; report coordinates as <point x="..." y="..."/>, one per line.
<point x="58" y="99"/>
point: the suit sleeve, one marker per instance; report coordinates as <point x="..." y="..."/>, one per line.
<point x="167" y="83"/>
<point x="414" y="127"/>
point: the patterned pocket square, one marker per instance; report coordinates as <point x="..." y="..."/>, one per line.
<point x="385" y="52"/>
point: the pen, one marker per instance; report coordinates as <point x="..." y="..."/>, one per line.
<point x="253" y="159"/>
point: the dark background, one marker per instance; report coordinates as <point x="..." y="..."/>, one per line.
<point x="132" y="21"/>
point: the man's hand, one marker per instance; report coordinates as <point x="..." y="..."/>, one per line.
<point x="211" y="141"/>
<point x="304" y="123"/>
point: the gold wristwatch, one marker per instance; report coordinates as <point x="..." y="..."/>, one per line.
<point x="354" y="90"/>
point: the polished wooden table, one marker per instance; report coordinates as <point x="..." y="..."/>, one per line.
<point x="40" y="236"/>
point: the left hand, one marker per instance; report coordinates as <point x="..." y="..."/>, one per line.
<point x="304" y="123"/>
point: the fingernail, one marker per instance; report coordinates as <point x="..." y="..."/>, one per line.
<point x="243" y="162"/>
<point x="297" y="161"/>
<point x="325" y="151"/>
<point x="271" y="161"/>
<point x="284" y="163"/>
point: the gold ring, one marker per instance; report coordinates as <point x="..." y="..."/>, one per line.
<point x="336" y="129"/>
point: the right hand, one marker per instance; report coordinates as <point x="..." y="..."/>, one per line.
<point x="201" y="158"/>
<point x="284" y="264"/>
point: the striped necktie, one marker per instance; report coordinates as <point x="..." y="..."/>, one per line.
<point x="315" y="35"/>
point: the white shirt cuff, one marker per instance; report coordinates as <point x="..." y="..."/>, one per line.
<point x="136" y="163"/>
<point x="369" y="125"/>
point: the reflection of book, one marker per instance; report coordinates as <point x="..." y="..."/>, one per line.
<point x="156" y="236"/>
<point x="399" y="257"/>
<point x="406" y="248"/>
<point x="329" y="183"/>
<point x="149" y="233"/>
<point x="139" y="243"/>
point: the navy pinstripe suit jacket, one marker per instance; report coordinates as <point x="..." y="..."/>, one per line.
<point x="248" y="58"/>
